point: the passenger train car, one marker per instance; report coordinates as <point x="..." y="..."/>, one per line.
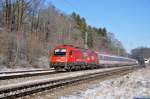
<point x="69" y="58"/>
<point x="110" y="60"/>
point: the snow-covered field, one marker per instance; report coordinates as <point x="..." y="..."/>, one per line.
<point x="135" y="85"/>
<point x="5" y="69"/>
<point x="41" y="63"/>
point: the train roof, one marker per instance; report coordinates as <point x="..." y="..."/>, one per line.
<point x="104" y="54"/>
<point x="116" y="56"/>
<point x="65" y="45"/>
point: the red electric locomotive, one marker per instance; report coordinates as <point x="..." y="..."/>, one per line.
<point x="91" y="59"/>
<point x="70" y="58"/>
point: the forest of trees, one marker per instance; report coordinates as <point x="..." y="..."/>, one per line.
<point x="140" y="51"/>
<point x="29" y="29"/>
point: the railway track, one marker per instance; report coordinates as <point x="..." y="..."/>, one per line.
<point x="20" y="71"/>
<point x="29" y="73"/>
<point x="29" y="87"/>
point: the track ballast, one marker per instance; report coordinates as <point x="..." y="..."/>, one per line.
<point x="29" y="87"/>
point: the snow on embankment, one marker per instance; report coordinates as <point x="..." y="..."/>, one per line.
<point x="136" y="84"/>
<point x="23" y="65"/>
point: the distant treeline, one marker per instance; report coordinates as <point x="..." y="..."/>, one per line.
<point x="143" y="52"/>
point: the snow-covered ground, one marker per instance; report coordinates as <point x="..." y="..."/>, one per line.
<point x="5" y="69"/>
<point x="135" y="85"/>
<point x="23" y="65"/>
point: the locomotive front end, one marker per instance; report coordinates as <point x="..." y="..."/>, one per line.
<point x="59" y="58"/>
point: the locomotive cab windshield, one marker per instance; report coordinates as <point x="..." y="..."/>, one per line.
<point x="60" y="52"/>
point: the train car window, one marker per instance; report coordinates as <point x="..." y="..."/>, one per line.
<point x="123" y="59"/>
<point x="100" y="57"/>
<point x="60" y="52"/>
<point x="116" y="59"/>
<point x="110" y="58"/>
<point x="113" y="59"/>
<point x="104" y="57"/>
<point x="119" y="59"/>
<point x="107" y="58"/>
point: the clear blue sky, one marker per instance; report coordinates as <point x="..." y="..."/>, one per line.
<point x="129" y="20"/>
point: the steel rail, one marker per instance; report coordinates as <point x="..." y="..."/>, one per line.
<point x="20" y="71"/>
<point x="26" y="74"/>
